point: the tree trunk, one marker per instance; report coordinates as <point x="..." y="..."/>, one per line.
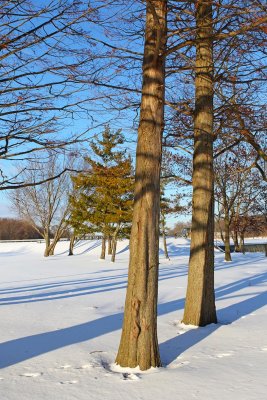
<point x="114" y="248"/>
<point x="236" y="242"/>
<point x="114" y="243"/>
<point x="164" y="240"/>
<point x="54" y="243"/>
<point x="227" y="254"/>
<point x="242" y="242"/>
<point x="139" y="342"/>
<point x="103" y="248"/>
<point x="200" y="299"/>
<point x="109" y="245"/>
<point x="71" y="247"/>
<point x="47" y="244"/>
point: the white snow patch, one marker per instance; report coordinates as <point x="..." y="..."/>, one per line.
<point x="61" y="321"/>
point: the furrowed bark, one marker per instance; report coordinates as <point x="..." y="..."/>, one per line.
<point x="200" y="300"/>
<point x="139" y="343"/>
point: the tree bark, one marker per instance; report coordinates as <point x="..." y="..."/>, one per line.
<point x="54" y="243"/>
<point x="139" y="342"/>
<point x="114" y="242"/>
<point x="164" y="240"/>
<point x="109" y="245"/>
<point x="242" y="242"/>
<point x="114" y="248"/>
<point x="236" y="242"/>
<point x="227" y="253"/>
<point x="47" y="244"/>
<point x="200" y="300"/>
<point x="103" y="248"/>
<point x="71" y="247"/>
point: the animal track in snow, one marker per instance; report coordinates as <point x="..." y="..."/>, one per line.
<point x="68" y="382"/>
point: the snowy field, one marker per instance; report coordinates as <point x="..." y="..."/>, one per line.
<point x="61" y="319"/>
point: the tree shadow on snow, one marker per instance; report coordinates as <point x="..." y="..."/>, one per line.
<point x="75" y="288"/>
<point x="18" y="350"/>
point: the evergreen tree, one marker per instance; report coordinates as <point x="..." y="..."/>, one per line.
<point x="104" y="193"/>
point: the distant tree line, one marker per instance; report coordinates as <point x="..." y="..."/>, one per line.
<point x="17" y="229"/>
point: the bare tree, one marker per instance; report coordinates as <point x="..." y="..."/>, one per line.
<point x="44" y="206"/>
<point x="39" y="99"/>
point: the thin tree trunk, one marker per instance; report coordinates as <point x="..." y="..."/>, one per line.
<point x="47" y="244"/>
<point x="236" y="241"/>
<point x="114" y="243"/>
<point x="200" y="299"/>
<point x="139" y="342"/>
<point x="114" y="248"/>
<point x="109" y="245"/>
<point x="103" y="248"/>
<point x="227" y="254"/>
<point x="164" y="240"/>
<point x="242" y="242"/>
<point x="54" y="243"/>
<point x="71" y="247"/>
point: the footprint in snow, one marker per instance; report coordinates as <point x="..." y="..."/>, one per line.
<point x="68" y="382"/>
<point x="87" y="366"/>
<point x="32" y="374"/>
<point x="179" y="364"/>
<point x="130" y="377"/>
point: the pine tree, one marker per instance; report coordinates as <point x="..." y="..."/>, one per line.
<point x="104" y="193"/>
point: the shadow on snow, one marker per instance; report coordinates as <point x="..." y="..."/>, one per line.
<point x="21" y="349"/>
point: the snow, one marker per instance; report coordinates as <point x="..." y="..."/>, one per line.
<point x="61" y="318"/>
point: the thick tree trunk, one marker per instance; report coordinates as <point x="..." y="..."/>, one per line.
<point x="103" y="249"/>
<point x="71" y="246"/>
<point x="200" y="300"/>
<point x="109" y="245"/>
<point x="227" y="254"/>
<point x="139" y="342"/>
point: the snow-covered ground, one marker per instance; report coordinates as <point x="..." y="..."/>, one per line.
<point x="61" y="319"/>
